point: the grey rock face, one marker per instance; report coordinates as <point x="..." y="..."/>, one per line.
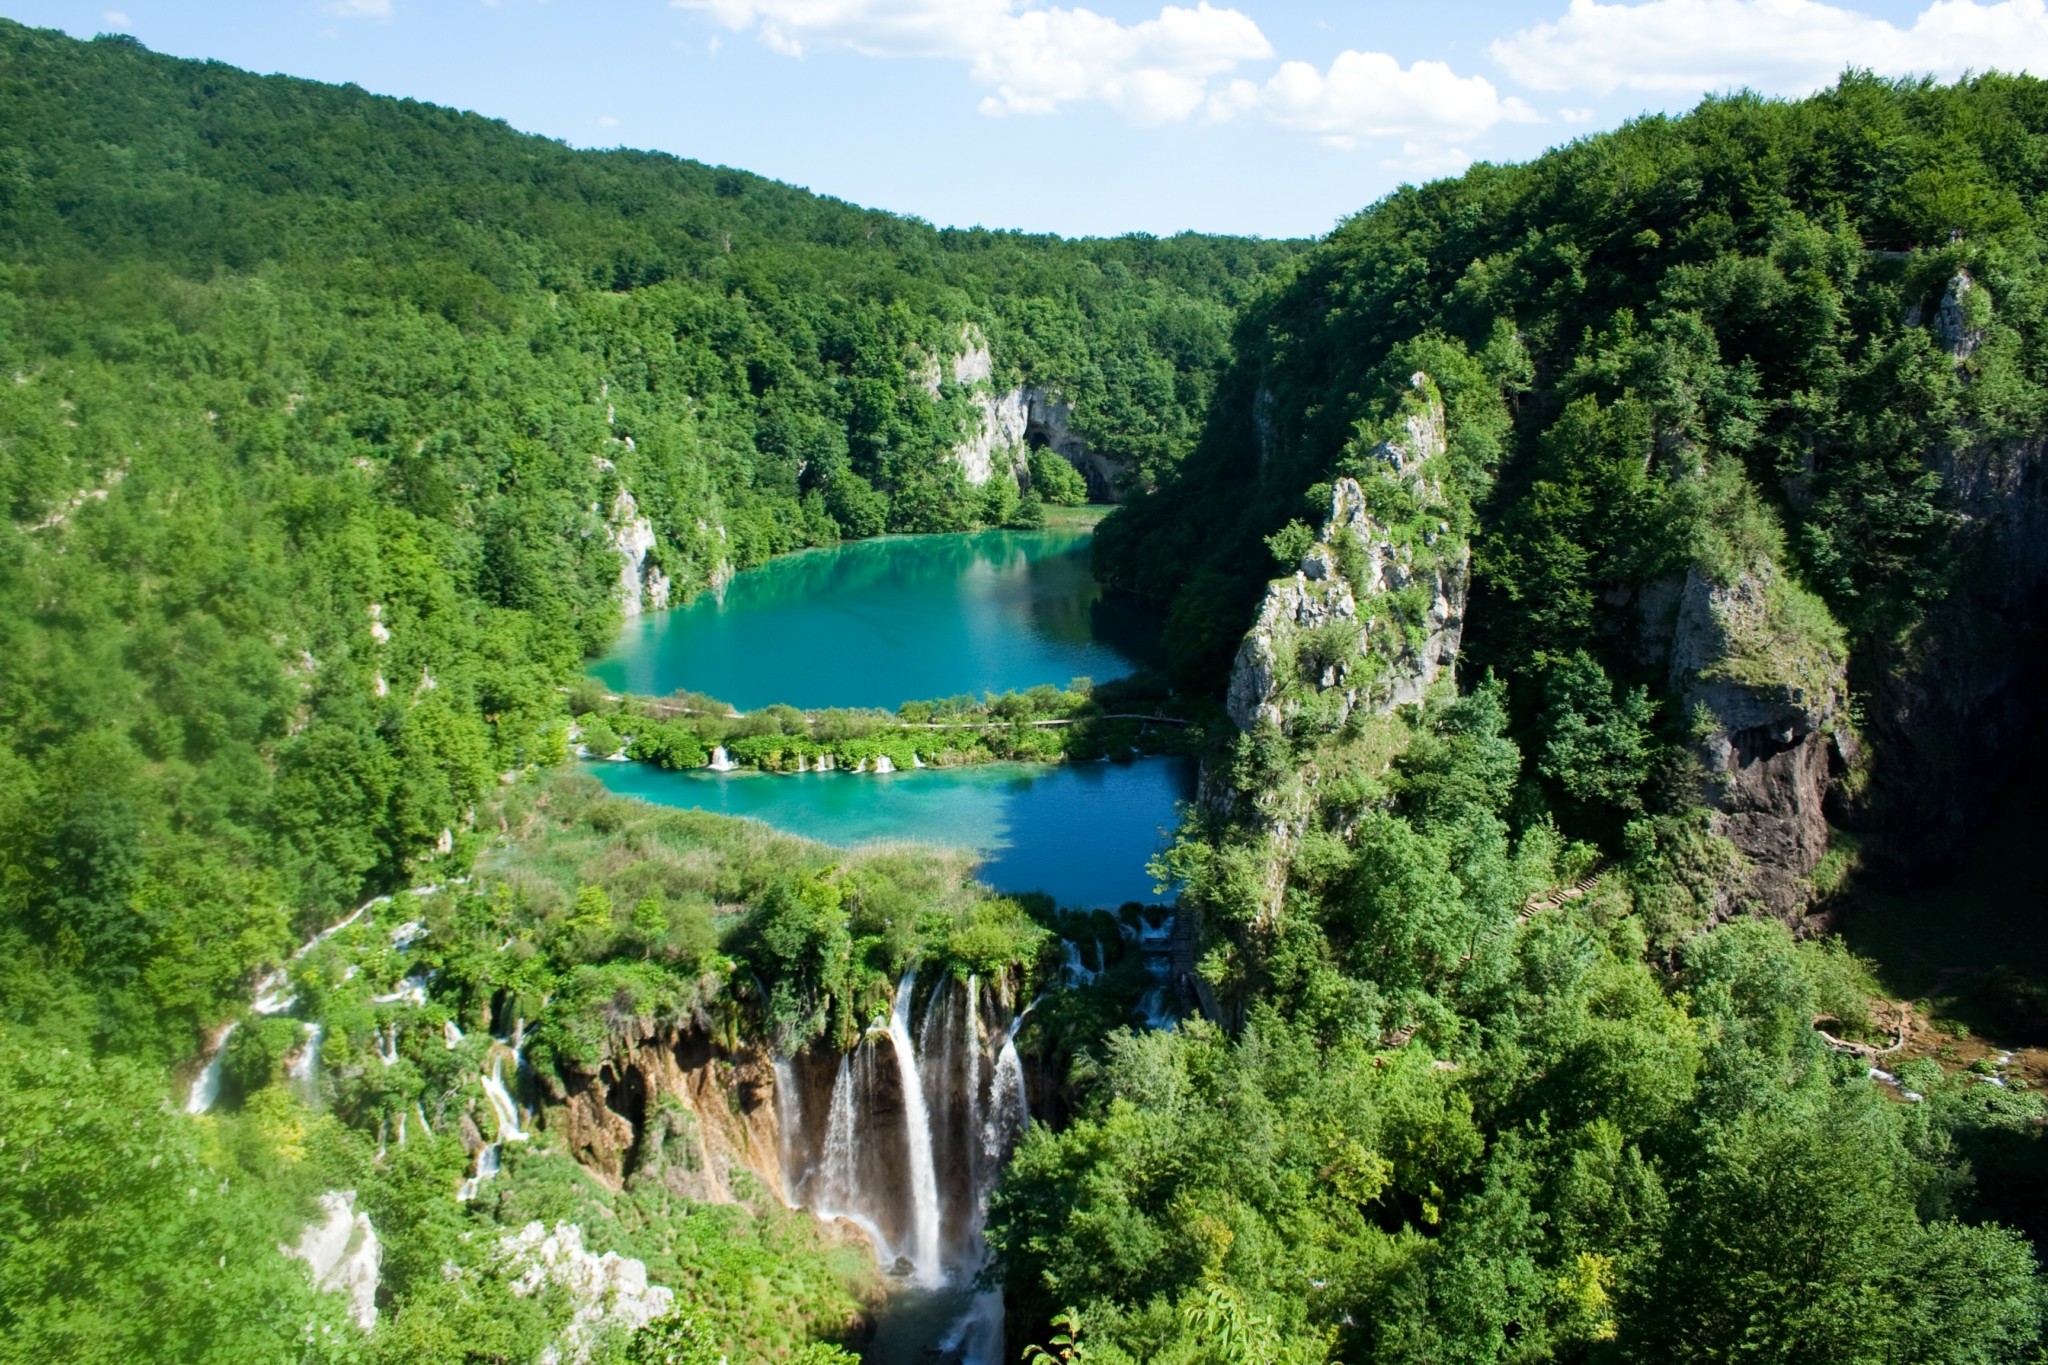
<point x="1319" y="596"/>
<point x="1951" y="320"/>
<point x="1772" y="707"/>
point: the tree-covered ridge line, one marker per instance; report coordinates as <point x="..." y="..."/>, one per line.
<point x="324" y="419"/>
<point x="1800" y="340"/>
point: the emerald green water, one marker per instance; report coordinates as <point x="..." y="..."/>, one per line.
<point x="1080" y="832"/>
<point x="900" y="618"/>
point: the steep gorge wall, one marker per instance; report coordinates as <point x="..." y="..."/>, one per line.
<point x="1011" y="422"/>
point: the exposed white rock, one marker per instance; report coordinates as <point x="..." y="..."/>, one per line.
<point x="1952" y="320"/>
<point x="379" y="632"/>
<point x="642" y="584"/>
<point x="608" y="1293"/>
<point x="344" y="1254"/>
<point x="1009" y="422"/>
<point x="1318" y="596"/>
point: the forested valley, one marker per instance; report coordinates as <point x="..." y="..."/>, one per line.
<point x="1605" y="594"/>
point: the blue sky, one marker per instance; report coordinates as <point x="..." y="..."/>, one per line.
<point x="1097" y="116"/>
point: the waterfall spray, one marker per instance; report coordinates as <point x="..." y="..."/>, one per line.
<point x="924" y="1179"/>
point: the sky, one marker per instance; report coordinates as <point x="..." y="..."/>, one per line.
<point x="1269" y="117"/>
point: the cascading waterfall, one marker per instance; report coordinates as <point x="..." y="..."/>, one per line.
<point x="206" y="1085"/>
<point x="835" y="1192"/>
<point x="924" y="1178"/>
<point x="920" y="1194"/>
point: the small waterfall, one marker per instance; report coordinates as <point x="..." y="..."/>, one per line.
<point x="834" y="1191"/>
<point x="304" y="1071"/>
<point x="206" y="1085"/>
<point x="883" y="764"/>
<point x="789" y="1120"/>
<point x="924" y="1179"/>
<point x="721" y="762"/>
<point x="503" y="1108"/>
<point x="486" y="1168"/>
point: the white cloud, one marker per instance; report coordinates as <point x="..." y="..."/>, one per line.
<point x="1033" y="60"/>
<point x="1775" y="46"/>
<point x="1575" y="115"/>
<point x="361" y="9"/>
<point x="1371" y="95"/>
<point x="607" y="122"/>
<point x="1428" y="160"/>
<point x="116" y="19"/>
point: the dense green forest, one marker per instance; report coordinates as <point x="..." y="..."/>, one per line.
<point x="1516" y="1033"/>
<point x="1781" y="354"/>
<point x="321" y="406"/>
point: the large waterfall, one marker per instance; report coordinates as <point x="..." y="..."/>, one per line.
<point x="908" y="1146"/>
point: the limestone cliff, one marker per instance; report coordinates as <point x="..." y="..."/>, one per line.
<point x="1011" y="422"/>
<point x="642" y="584"/>
<point x="1759" y="669"/>
<point x="1373" y="614"/>
<point x="667" y="1105"/>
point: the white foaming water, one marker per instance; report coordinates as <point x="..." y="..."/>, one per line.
<point x="486" y="1168"/>
<point x="789" y="1118"/>
<point x="305" y="1068"/>
<point x="837" y="1181"/>
<point x="721" y="762"/>
<point x="206" y="1085"/>
<point x="502" y="1106"/>
<point x="924" y="1179"/>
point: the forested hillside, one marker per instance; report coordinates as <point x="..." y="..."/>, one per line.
<point x="329" y="418"/>
<point x="1615" y="569"/>
<point x="1708" y="456"/>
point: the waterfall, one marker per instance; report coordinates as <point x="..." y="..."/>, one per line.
<point x="721" y="762"/>
<point x="924" y="1179"/>
<point x="502" y="1106"/>
<point x="974" y="1144"/>
<point x="789" y="1119"/>
<point x="486" y="1167"/>
<point x="921" y="1196"/>
<point x="883" y="764"/>
<point x="206" y="1085"/>
<point x="837" y="1180"/>
<point x="305" y="1068"/>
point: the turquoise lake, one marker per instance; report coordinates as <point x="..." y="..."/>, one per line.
<point x="905" y="618"/>
<point x="1080" y="832"/>
<point x="895" y="619"/>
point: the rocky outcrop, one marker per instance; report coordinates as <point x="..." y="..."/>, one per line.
<point x="344" y="1254"/>
<point x="608" y="1295"/>
<point x="1011" y="422"/>
<point x="1374" y="613"/>
<point x="1760" y="671"/>
<point x="642" y="584"/>
<point x="667" y="1105"/>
